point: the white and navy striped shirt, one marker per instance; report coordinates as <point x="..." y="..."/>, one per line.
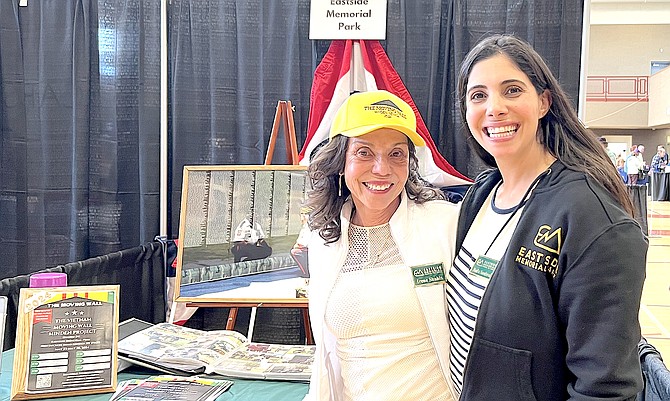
<point x="464" y="289"/>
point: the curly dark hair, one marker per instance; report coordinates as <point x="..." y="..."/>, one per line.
<point x="560" y="131"/>
<point x="323" y="199"/>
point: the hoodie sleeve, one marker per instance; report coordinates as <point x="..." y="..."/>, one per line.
<point x="598" y="305"/>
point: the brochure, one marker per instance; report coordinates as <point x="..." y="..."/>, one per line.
<point x="127" y="328"/>
<point x="181" y="350"/>
<point x="171" y="388"/>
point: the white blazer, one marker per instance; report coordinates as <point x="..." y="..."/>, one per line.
<point x="424" y="234"/>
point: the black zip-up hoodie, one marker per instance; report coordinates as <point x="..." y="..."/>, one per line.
<point x="559" y="318"/>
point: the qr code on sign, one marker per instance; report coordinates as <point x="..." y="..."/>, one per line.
<point x="43" y="381"/>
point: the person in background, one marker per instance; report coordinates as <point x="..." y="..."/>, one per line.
<point x="633" y="165"/>
<point x="621" y="167"/>
<point x="612" y="156"/>
<point x="545" y="291"/>
<point x="644" y="168"/>
<point x="640" y="153"/>
<point x="660" y="160"/>
<point x="378" y="256"/>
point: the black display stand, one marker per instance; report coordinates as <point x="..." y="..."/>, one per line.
<point x="660" y="186"/>
<point x="638" y="195"/>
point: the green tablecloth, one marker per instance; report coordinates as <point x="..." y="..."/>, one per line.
<point x="242" y="390"/>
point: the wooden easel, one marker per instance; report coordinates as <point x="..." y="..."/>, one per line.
<point x="283" y="119"/>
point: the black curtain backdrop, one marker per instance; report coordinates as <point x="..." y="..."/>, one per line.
<point x="231" y="61"/>
<point x="79" y="101"/>
<point x="79" y="121"/>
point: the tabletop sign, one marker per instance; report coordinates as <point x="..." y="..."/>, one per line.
<point x="66" y="342"/>
<point x="347" y="19"/>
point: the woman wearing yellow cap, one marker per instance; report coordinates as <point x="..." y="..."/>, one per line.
<point x="377" y="259"/>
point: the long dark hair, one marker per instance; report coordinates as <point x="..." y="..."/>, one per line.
<point x="559" y="131"/>
<point x="324" y="201"/>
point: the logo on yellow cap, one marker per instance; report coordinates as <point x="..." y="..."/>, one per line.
<point x="387" y="109"/>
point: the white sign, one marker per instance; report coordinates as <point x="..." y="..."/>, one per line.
<point x="347" y="19"/>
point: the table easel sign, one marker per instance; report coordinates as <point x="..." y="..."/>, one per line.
<point x="66" y="342"/>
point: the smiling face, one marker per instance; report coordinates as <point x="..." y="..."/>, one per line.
<point x="375" y="171"/>
<point x="503" y="110"/>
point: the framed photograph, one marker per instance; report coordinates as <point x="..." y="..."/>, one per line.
<point x="239" y="234"/>
<point x="66" y="342"/>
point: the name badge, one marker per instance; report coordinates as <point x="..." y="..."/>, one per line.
<point x="484" y="266"/>
<point x="428" y="274"/>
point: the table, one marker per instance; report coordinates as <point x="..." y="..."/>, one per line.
<point x="242" y="390"/>
<point x="660" y="186"/>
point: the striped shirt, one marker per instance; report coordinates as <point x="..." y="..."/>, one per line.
<point x="465" y="289"/>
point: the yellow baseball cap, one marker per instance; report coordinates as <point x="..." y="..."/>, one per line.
<point x="364" y="112"/>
